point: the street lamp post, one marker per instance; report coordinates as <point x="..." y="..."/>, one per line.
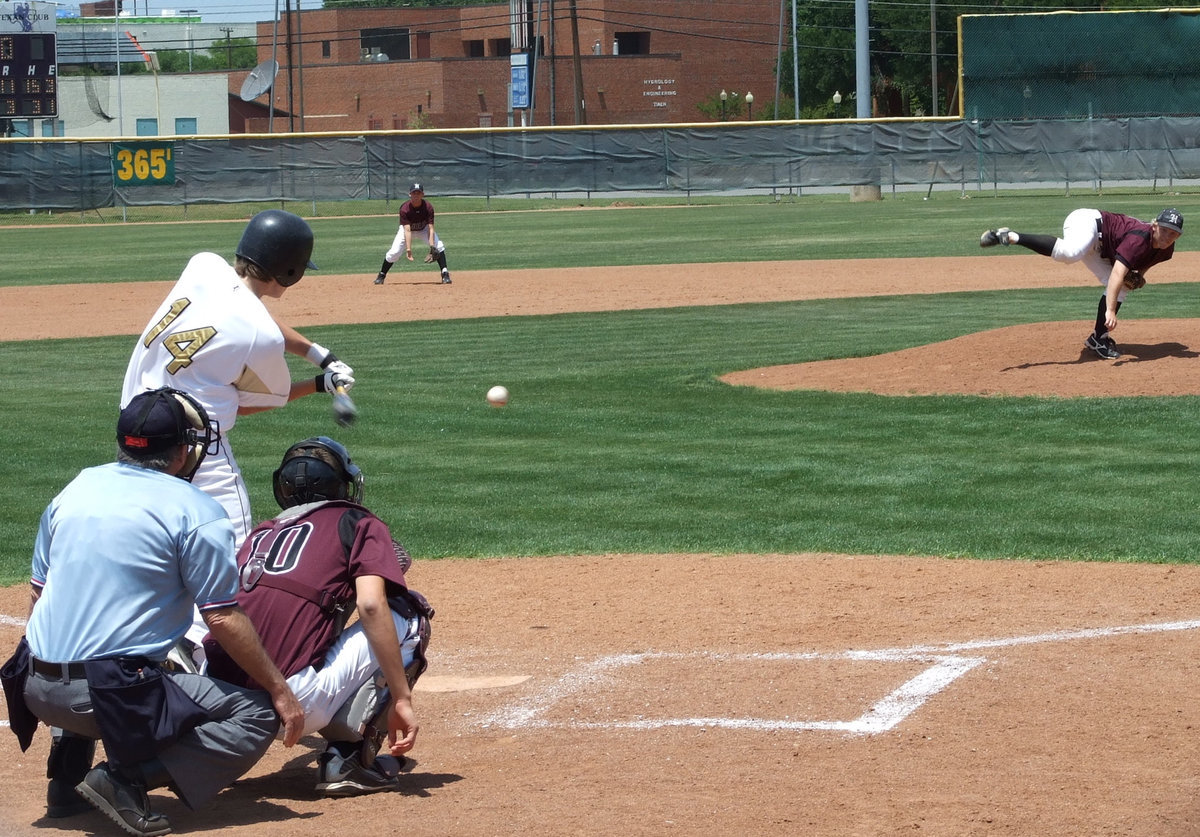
<point x="749" y="106"/>
<point x="724" y="98"/>
<point x="837" y="104"/>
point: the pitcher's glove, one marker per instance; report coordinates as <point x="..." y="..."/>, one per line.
<point x="1134" y="280"/>
<point x="429" y="256"/>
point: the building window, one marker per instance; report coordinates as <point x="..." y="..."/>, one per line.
<point x="185" y="126"/>
<point x="21" y="127"/>
<point x="326" y="49"/>
<point x="147" y="127"/>
<point x="53" y="128"/>
<point x="390" y="42"/>
<point x="473" y="49"/>
<point x="500" y="47"/>
<point x="632" y="43"/>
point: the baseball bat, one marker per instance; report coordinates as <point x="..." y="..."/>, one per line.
<point x="344" y="411"/>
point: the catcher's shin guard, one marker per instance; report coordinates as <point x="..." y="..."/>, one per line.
<point x="362" y="720"/>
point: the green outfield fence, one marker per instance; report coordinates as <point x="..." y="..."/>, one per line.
<point x="1080" y="64"/>
<point x="79" y="175"/>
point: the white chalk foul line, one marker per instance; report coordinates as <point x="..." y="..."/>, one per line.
<point x="945" y="666"/>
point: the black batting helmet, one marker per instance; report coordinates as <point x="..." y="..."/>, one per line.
<point x="280" y="243"/>
<point x="317" y="469"/>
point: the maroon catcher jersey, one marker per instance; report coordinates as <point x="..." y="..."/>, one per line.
<point x="1127" y="240"/>
<point x="416" y="217"/>
<point x="302" y="568"/>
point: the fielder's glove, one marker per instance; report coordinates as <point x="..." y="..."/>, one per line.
<point x="329" y="381"/>
<point x="1134" y="280"/>
<point x="429" y="256"/>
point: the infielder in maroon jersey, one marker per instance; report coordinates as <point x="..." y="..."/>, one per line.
<point x="303" y="574"/>
<point x="416" y="221"/>
<point x="1117" y="249"/>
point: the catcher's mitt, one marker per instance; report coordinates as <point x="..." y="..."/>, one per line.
<point x="1134" y="280"/>
<point x="429" y="256"/>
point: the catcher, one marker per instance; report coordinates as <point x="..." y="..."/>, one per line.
<point x="416" y="220"/>
<point x="302" y="574"/>
<point x="1118" y="249"/>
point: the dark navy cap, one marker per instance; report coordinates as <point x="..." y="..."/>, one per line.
<point x="151" y="423"/>
<point x="1171" y="219"/>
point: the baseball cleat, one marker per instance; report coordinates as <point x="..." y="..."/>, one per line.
<point x="1104" y="346"/>
<point x="445" y="277"/>
<point x="339" y="776"/>
<point x="993" y="237"/>
<point x="379" y="279"/>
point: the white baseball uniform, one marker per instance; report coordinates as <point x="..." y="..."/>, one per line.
<point x="215" y="340"/>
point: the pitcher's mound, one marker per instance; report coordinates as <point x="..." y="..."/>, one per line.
<point x="1158" y="357"/>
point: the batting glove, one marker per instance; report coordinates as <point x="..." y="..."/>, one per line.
<point x="329" y="381"/>
<point x="340" y="368"/>
<point x="318" y="355"/>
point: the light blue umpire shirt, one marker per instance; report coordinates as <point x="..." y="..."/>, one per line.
<point x="122" y="555"/>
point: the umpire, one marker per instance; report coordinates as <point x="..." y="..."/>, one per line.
<point x="121" y="556"/>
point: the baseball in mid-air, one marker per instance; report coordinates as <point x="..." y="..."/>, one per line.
<point x="497" y="396"/>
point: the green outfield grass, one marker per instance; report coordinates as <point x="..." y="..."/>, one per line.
<point x="619" y="438"/>
<point x="817" y="227"/>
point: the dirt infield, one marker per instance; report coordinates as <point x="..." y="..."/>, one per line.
<point x="782" y="695"/>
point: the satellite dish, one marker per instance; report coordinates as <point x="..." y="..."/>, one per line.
<point x="260" y="80"/>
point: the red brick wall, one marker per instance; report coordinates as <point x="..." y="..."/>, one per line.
<point x="341" y="93"/>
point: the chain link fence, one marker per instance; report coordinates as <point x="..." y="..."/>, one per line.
<point x="181" y="176"/>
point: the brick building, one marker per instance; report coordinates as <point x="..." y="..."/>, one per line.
<point x="638" y="62"/>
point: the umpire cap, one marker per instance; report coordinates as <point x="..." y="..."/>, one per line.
<point x="160" y="419"/>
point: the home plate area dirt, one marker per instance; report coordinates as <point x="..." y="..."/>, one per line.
<point x="781" y="694"/>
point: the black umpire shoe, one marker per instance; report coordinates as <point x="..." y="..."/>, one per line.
<point x="62" y="800"/>
<point x="122" y="801"/>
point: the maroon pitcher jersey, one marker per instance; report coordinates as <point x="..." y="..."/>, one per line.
<point x="1127" y="240"/>
<point x="300" y="570"/>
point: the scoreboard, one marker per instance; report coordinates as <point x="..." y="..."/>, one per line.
<point x="28" y="81"/>
<point x="28" y="61"/>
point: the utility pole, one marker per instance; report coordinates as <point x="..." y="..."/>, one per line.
<point x="933" y="79"/>
<point x="553" y="66"/>
<point x="288" y="49"/>
<point x="300" y="60"/>
<point x="580" y="104"/>
<point x="228" y="31"/>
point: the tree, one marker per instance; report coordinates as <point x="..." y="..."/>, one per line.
<point x="901" y="64"/>
<point x="231" y="54"/>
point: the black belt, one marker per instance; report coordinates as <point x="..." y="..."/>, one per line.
<point x="59" y="671"/>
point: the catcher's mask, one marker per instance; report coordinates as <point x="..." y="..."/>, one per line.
<point x="158" y="420"/>
<point x="317" y="469"/>
<point x="280" y="243"/>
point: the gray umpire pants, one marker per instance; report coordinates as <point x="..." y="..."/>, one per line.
<point x="241" y="726"/>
